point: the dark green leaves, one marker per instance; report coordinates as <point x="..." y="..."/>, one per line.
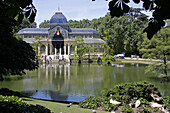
<point x="20" y="17"/>
<point x="118" y="8"/>
<point x="160" y="11"/>
<point x="136" y="1"/>
<point x="126" y="1"/>
<point x="153" y="27"/>
<point x="9" y="104"/>
<point x="32" y="16"/>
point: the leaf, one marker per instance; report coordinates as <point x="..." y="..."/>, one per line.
<point x="147" y="5"/>
<point x="136" y="1"/>
<point x="12" y="12"/>
<point x="20" y="17"/>
<point x="27" y="14"/>
<point x="32" y="17"/>
<point x="126" y="1"/>
<point x="118" y="8"/>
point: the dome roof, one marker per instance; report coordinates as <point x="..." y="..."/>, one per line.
<point x="58" y="17"/>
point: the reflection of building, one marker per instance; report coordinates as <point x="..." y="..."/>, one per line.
<point x="59" y="22"/>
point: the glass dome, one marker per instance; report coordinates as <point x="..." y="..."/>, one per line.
<point x="58" y="17"/>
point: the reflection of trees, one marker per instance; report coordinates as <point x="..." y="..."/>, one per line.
<point x="63" y="81"/>
<point x="87" y="78"/>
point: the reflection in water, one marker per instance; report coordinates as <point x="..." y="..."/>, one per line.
<point x="76" y="82"/>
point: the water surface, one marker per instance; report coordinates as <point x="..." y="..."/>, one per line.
<point x="76" y="82"/>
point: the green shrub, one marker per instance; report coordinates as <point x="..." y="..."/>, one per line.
<point x="13" y="104"/>
<point x="110" y="107"/>
<point x="95" y="102"/>
<point x="127" y="109"/>
<point x="144" y="102"/>
<point x="147" y="110"/>
<point x="108" y="59"/>
<point x="92" y="102"/>
<point x="126" y="92"/>
<point x="166" y="101"/>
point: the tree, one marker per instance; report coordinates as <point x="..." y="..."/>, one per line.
<point x="158" y="47"/>
<point x="79" y="46"/>
<point x="44" y="24"/>
<point x="15" y="54"/>
<point x="123" y="34"/>
<point x="159" y="8"/>
<point x="36" y="44"/>
<point x="25" y="24"/>
<point x="89" y="49"/>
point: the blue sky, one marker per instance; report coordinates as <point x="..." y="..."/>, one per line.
<point x="72" y="9"/>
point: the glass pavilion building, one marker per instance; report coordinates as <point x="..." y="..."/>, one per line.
<point x="58" y="22"/>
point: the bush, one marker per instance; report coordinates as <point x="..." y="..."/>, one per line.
<point x="126" y="92"/>
<point x="110" y="107"/>
<point x="13" y="104"/>
<point x="108" y="59"/>
<point x="95" y="102"/>
<point x="127" y="109"/>
<point x="147" y="110"/>
<point x="144" y="102"/>
<point x="166" y="101"/>
<point x="92" y="102"/>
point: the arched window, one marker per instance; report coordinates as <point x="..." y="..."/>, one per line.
<point x="42" y="49"/>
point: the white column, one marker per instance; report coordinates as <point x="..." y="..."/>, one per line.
<point x="55" y="53"/>
<point x="64" y="49"/>
<point x="38" y="51"/>
<point x="68" y="49"/>
<point x="46" y="48"/>
<point x="50" y="49"/>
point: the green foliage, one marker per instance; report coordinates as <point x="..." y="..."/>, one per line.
<point x="92" y="102"/>
<point x="108" y="59"/>
<point x="123" y="34"/>
<point x="95" y="102"/>
<point x="126" y="92"/>
<point x="19" y="9"/>
<point x="144" y="102"/>
<point x="159" y="10"/>
<point x="15" y="54"/>
<point x="25" y="24"/>
<point x="110" y="107"/>
<point x="127" y="109"/>
<point x="13" y="104"/>
<point x="147" y="110"/>
<point x="37" y="43"/>
<point x="85" y="23"/>
<point x="166" y="101"/>
<point x="44" y="24"/>
<point x="158" y="47"/>
<point x="80" y="46"/>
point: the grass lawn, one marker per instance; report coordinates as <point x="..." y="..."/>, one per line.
<point x="59" y="107"/>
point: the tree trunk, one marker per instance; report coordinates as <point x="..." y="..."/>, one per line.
<point x="1" y="77"/>
<point x="89" y="58"/>
<point x="79" y="61"/>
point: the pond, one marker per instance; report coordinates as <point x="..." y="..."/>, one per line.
<point x="76" y="82"/>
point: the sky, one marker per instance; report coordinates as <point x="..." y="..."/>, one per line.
<point x="72" y="9"/>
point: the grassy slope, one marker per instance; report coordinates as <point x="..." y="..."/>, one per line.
<point x="59" y="107"/>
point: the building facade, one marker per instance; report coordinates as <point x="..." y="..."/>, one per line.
<point x="58" y="22"/>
